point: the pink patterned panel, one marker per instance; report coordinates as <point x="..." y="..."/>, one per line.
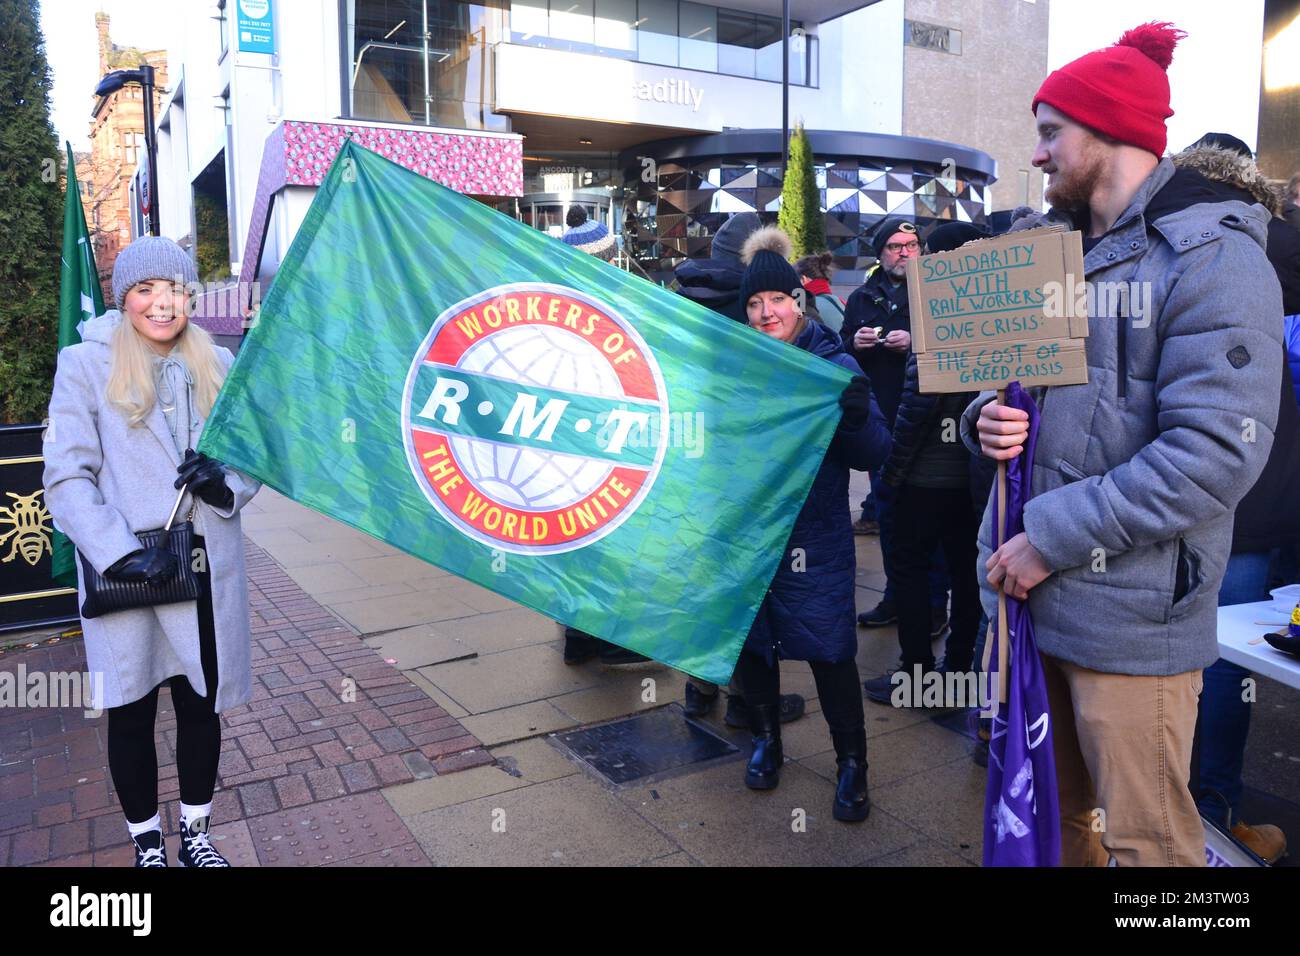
<point x="466" y="162"/>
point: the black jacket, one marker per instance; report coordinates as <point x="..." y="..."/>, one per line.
<point x="808" y="613"/>
<point x="918" y="413"/>
<point x="714" y="284"/>
<point x="1269" y="516"/>
<point x="1284" y="253"/>
<point x="879" y="303"/>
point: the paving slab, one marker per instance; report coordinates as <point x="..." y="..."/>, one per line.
<point x="517" y="723"/>
<point x="401" y="610"/>
<point x="711" y="815"/>
<point x="946" y="804"/>
<point x="623" y="693"/>
<point x="495" y="631"/>
<point x="517" y="676"/>
<point x="410" y="648"/>
<point x="572" y="821"/>
<point x="900" y="753"/>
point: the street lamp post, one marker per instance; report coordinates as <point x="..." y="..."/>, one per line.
<point x="109" y="85"/>
<point x="785" y="86"/>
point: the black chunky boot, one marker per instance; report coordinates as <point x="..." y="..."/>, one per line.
<point x="764" y="769"/>
<point x="851" y="802"/>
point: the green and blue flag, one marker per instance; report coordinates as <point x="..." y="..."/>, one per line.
<point x="521" y="414"/>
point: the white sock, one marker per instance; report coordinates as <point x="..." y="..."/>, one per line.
<point x="153" y="823"/>
<point x="193" y="812"/>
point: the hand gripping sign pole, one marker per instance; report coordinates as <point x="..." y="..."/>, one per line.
<point x="996" y="311"/>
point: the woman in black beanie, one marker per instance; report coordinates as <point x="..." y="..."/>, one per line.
<point x="808" y="614"/>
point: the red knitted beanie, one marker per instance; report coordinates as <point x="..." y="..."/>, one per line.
<point x="1123" y="90"/>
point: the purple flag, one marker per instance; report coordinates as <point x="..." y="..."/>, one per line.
<point x="1022" y="823"/>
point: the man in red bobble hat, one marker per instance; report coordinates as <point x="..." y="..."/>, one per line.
<point x="1137" y="473"/>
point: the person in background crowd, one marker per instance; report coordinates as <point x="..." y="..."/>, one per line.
<point x="1267" y="518"/>
<point x="927" y="480"/>
<point x="129" y="404"/>
<point x="1138" y="472"/>
<point x="715" y="284"/>
<point x="588" y="235"/>
<point x="815" y="274"/>
<point x="1290" y="209"/>
<point x="807" y="613"/>
<point x="877" y="331"/>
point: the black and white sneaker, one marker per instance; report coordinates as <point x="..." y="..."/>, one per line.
<point x="150" y="850"/>
<point x="195" y="848"/>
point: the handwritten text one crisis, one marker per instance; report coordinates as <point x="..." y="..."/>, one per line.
<point x="981" y="303"/>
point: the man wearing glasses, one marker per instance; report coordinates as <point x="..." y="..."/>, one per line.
<point x="877" y="332"/>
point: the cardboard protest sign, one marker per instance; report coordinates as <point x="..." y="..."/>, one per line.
<point x="1000" y="310"/>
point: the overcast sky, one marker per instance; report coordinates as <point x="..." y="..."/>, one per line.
<point x="1215" y="74"/>
<point x="1214" y="78"/>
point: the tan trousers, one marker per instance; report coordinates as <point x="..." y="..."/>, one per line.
<point x="1123" y="748"/>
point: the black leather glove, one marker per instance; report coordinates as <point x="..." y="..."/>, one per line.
<point x="856" y="402"/>
<point x="205" y="478"/>
<point x="154" y="565"/>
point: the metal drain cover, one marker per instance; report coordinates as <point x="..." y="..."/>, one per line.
<point x="646" y="744"/>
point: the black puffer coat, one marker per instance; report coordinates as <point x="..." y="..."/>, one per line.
<point x="714" y="284"/>
<point x="918" y="413"/>
<point x="809" y="611"/>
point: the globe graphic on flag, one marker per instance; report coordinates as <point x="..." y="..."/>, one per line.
<point x="550" y="358"/>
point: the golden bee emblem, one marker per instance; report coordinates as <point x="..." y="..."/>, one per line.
<point x="27" y="519"/>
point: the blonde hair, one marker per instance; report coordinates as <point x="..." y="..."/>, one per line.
<point x="130" y="378"/>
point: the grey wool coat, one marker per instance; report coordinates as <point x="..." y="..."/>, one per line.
<point x="1137" y="473"/>
<point x="106" y="480"/>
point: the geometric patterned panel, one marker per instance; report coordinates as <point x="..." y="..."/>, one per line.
<point x="676" y="216"/>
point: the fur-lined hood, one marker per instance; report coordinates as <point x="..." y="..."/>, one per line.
<point x="1224" y="166"/>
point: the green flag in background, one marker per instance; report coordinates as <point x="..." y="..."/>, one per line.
<point x="523" y="415"/>
<point x="79" y="298"/>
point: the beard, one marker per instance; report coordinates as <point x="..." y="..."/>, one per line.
<point x="1071" y="191"/>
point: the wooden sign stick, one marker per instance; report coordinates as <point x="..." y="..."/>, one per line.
<point x="1003" y="655"/>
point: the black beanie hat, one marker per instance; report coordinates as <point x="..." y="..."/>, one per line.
<point x="1224" y="141"/>
<point x="886" y="229"/>
<point x="766" y="254"/>
<point x="953" y="235"/>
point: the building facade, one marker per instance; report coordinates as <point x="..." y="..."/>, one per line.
<point x="117" y="148"/>
<point x="1279" y="102"/>
<point x="970" y="72"/>
<point x="565" y="103"/>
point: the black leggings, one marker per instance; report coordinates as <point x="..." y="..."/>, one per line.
<point x="132" y="759"/>
<point x="837" y="689"/>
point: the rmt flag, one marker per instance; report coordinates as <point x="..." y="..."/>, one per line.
<point x="517" y="412"/>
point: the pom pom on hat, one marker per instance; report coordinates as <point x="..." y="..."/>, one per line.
<point x="769" y="238"/>
<point x="1156" y="40"/>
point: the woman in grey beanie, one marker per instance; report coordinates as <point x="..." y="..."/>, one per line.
<point x="128" y="406"/>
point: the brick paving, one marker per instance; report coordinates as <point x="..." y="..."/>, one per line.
<point x="300" y="754"/>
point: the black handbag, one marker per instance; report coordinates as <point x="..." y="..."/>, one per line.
<point x="106" y="595"/>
